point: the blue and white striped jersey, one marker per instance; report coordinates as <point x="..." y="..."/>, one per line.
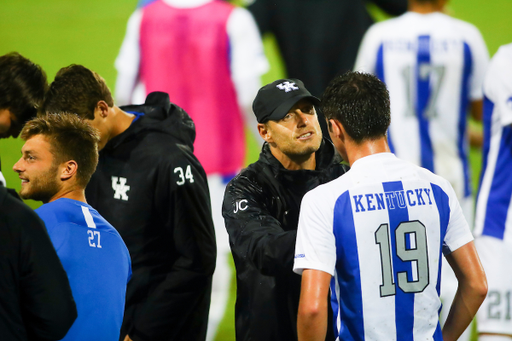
<point x="433" y="66"/>
<point x="97" y="263"/>
<point x="380" y="230"/>
<point x="494" y="209"/>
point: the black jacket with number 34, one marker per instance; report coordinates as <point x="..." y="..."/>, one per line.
<point x="153" y="190"/>
<point x="261" y="211"/>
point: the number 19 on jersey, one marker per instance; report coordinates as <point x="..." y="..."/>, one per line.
<point x="410" y="245"/>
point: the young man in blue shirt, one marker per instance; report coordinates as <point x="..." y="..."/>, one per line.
<point x="153" y="189"/>
<point x="58" y="158"/>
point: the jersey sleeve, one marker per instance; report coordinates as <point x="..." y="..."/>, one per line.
<point x="248" y="56"/>
<point x="367" y="54"/>
<point x="248" y="62"/>
<point x="480" y="62"/>
<point x="458" y="232"/>
<point x="498" y="84"/>
<point x="315" y="247"/>
<point x="128" y="61"/>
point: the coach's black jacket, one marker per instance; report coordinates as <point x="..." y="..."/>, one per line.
<point x="36" y="302"/>
<point x="153" y="190"/>
<point x="261" y="210"/>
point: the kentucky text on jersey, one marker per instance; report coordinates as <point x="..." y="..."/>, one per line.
<point x="393" y="199"/>
<point x="435" y="45"/>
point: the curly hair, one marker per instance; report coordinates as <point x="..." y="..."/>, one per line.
<point x="359" y="101"/>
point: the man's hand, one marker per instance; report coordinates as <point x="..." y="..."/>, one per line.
<point x="127" y="338"/>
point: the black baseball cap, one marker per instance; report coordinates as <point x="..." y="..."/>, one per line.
<point x="274" y="100"/>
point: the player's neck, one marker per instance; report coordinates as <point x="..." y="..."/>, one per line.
<point x="366" y="148"/>
<point x="426" y="7"/>
<point x="122" y="121"/>
<point x="73" y="192"/>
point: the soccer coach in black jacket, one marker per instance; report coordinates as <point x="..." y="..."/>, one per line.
<point x="261" y="209"/>
<point x="153" y="190"/>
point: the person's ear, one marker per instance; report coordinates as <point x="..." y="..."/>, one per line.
<point x="336" y="129"/>
<point x="101" y="109"/>
<point x="264" y="132"/>
<point x="68" y="169"/>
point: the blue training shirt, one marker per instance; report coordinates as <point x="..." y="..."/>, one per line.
<point x="97" y="263"/>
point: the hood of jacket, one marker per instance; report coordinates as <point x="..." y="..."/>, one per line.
<point x="160" y="115"/>
<point x="298" y="182"/>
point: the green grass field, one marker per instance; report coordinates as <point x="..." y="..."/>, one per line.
<point x="57" y="33"/>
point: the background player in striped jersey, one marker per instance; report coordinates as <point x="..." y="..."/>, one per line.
<point x="58" y="158"/>
<point x="493" y="223"/>
<point x="378" y="232"/>
<point x="433" y="66"/>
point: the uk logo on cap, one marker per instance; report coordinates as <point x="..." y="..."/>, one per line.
<point x="287" y="86"/>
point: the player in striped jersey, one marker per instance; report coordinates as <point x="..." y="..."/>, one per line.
<point x="58" y="158"/>
<point x="493" y="223"/>
<point x="433" y="66"/>
<point x="376" y="235"/>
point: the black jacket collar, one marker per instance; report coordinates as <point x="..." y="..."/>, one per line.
<point x="325" y="156"/>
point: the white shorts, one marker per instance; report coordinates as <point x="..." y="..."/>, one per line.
<point x="217" y="187"/>
<point x="495" y="314"/>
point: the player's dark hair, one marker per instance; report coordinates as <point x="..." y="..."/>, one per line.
<point x="23" y="85"/>
<point x="70" y="138"/>
<point x="76" y="89"/>
<point x="360" y="102"/>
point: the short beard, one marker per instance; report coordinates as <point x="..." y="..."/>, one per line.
<point x="44" y="188"/>
<point x="307" y="151"/>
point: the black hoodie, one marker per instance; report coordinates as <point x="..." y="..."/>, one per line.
<point x="153" y="190"/>
<point x="36" y="302"/>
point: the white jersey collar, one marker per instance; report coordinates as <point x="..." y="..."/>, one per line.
<point x="186" y="3"/>
<point x="372" y="158"/>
